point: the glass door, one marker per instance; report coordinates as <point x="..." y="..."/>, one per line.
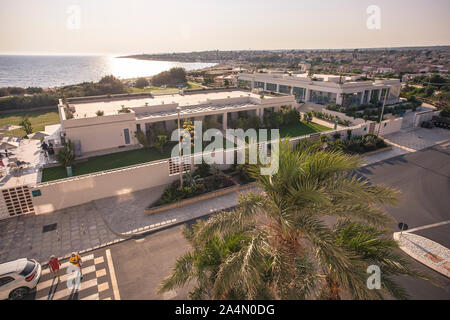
<point x="126" y="135"/>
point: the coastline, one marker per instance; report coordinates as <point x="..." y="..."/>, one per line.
<point x="52" y="72"/>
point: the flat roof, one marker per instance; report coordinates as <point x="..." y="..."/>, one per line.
<point x="193" y="110"/>
<point x="88" y="109"/>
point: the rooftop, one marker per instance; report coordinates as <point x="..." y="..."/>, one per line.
<point x="110" y="107"/>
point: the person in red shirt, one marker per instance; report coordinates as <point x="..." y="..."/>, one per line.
<point x="54" y="265"/>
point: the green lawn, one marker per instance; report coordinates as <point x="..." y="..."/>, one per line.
<point x="106" y="162"/>
<point x="297" y="130"/>
<point x="301" y="129"/>
<point x="39" y="119"/>
<point x="169" y="90"/>
<point x="112" y="161"/>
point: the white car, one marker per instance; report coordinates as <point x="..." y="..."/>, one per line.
<point x="18" y="277"/>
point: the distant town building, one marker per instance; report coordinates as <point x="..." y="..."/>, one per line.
<point x="324" y="89"/>
<point x="304" y="66"/>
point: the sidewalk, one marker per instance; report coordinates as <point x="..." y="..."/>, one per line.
<point x="125" y="214"/>
<point x="426" y="251"/>
<point x="78" y="228"/>
<point x="404" y="142"/>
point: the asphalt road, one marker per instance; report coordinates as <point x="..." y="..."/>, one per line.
<point x="423" y="179"/>
<point x="141" y="264"/>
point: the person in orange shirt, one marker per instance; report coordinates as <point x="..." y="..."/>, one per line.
<point x="75" y="259"/>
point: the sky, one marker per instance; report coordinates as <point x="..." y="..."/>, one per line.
<point x="148" y="26"/>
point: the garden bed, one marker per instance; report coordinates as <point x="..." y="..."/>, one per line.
<point x="369" y="153"/>
<point x="194" y="184"/>
<point x="208" y="195"/>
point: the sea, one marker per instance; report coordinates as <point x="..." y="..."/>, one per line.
<point x="54" y="71"/>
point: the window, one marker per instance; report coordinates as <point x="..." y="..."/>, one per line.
<point x="299" y="93"/>
<point x="321" y="97"/>
<point x="366" y="97"/>
<point x="259" y="84"/>
<point x="5" y="280"/>
<point x="29" y="267"/>
<point x="271" y="87"/>
<point x="285" y="89"/>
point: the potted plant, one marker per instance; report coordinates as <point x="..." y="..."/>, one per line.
<point x="66" y="156"/>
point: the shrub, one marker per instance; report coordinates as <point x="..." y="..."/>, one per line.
<point x="445" y="112"/>
<point x="172" y="77"/>
<point x="203" y="170"/>
<point x="26" y="125"/>
<point x="100" y="113"/>
<point x="66" y="155"/>
<point x="142" y="138"/>
<point x="124" y="109"/>
<point x="141" y="83"/>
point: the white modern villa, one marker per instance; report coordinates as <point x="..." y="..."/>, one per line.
<point x="123" y="115"/>
<point x="323" y="89"/>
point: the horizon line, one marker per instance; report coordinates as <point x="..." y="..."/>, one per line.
<point x="178" y="52"/>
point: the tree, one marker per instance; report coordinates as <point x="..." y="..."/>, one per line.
<point x="141" y="83"/>
<point x="201" y="264"/>
<point x="288" y="251"/>
<point x="66" y="155"/>
<point x="142" y="138"/>
<point x="160" y="142"/>
<point x="308" y="117"/>
<point x="26" y="125"/>
<point x="172" y="77"/>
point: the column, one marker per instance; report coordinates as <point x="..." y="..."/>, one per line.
<point x="278" y="88"/>
<point x="261" y="114"/>
<point x="362" y="97"/>
<point x="224" y="121"/>
<point x="306" y="95"/>
<point x="339" y="98"/>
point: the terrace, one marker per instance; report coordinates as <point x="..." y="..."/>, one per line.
<point x="88" y="108"/>
<point x="144" y="155"/>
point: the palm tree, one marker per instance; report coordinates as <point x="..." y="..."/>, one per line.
<point x="311" y="233"/>
<point x="201" y="264"/>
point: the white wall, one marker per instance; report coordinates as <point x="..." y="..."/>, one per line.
<point x="74" y="191"/>
<point x="424" y="116"/>
<point x="389" y="126"/>
<point x="100" y="137"/>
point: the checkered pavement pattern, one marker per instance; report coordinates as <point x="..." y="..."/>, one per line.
<point x="95" y="285"/>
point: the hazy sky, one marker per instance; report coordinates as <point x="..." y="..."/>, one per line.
<point x="136" y="26"/>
